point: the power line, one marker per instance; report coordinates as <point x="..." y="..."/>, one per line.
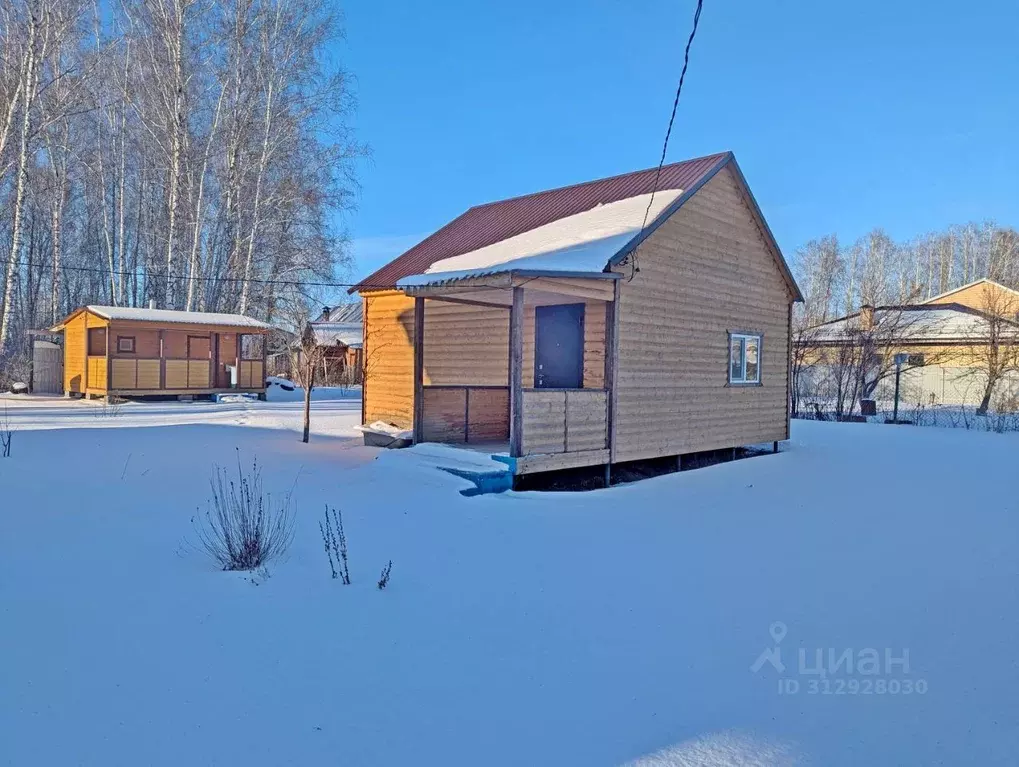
<point x="255" y="280"/>
<point x="672" y="119"/>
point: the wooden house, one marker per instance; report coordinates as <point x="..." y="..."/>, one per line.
<point x="952" y="339"/>
<point x="629" y="318"/>
<point x="136" y="352"/>
<point x="340" y="333"/>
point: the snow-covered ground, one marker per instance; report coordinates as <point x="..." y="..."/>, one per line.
<point x="595" y="628"/>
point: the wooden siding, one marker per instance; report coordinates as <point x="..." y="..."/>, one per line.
<point x="464" y="414"/>
<point x="466" y="345"/>
<point x="561" y="421"/>
<point x="389" y="358"/>
<point x="74" y="355"/>
<point x="134" y="373"/>
<point x="189" y="374"/>
<point x="984" y="296"/>
<point x="704" y="272"/>
<point x="97" y="374"/>
<point x="251" y="375"/>
<point x="146" y="342"/>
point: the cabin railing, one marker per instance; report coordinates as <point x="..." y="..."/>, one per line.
<point x="564" y="420"/>
<point x="465" y="414"/>
<point x="139" y="373"/>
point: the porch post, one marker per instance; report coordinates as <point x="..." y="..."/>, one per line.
<point x="419" y="368"/>
<point x="516" y="378"/>
<point x="611" y="363"/>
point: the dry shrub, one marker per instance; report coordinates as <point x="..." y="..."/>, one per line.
<point x="244" y="528"/>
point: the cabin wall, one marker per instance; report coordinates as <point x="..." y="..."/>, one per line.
<point x="983" y="297"/>
<point x="95" y="378"/>
<point x="146" y="342"/>
<point x="389" y="358"/>
<point x="74" y="355"/>
<point x="705" y="271"/>
<point x="466" y="344"/>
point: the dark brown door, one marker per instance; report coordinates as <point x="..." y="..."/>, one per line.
<point x="559" y="346"/>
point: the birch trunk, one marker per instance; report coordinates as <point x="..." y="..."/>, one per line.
<point x="30" y="83"/>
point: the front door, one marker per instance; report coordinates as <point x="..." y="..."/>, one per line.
<point x="559" y="346"/>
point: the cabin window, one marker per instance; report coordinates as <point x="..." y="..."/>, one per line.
<point x="125" y="344"/>
<point x="252" y="346"/>
<point x="744" y="358"/>
<point x="96" y="342"/>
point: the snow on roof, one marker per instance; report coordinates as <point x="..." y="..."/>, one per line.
<point x="348" y="313"/>
<point x="935" y="322"/>
<point x="139" y="314"/>
<point x="342" y="327"/>
<point x="584" y="242"/>
<point x="333" y="333"/>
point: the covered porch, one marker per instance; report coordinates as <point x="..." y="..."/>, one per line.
<point x="518" y="365"/>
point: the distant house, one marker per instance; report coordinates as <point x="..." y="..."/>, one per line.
<point x="949" y="339"/>
<point x="557" y="329"/>
<point x="339" y="331"/>
<point x="136" y="352"/>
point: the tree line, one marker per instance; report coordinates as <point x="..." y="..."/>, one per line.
<point x="194" y="154"/>
<point x="836" y="278"/>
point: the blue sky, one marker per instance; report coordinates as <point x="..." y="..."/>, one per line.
<point x="843" y="116"/>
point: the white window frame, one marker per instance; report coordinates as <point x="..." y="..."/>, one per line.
<point x="743" y="337"/>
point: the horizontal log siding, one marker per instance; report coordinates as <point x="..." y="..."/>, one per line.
<point x="705" y="271"/>
<point x="466" y="345"/>
<point x="389" y="358"/>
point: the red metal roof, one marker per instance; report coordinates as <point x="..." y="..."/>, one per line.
<point x="495" y="221"/>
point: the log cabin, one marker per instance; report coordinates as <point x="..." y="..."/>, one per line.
<point x="136" y="352"/>
<point x="629" y="318"/>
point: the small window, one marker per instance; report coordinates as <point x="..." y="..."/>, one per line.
<point x="744" y="358"/>
<point x="125" y="344"/>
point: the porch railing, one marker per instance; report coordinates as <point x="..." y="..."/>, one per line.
<point x="564" y="420"/>
<point x="465" y="414"/>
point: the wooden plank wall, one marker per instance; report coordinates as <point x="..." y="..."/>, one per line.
<point x="389" y="358"/>
<point x="466" y="344"/>
<point x="445" y="409"/>
<point x="97" y="374"/>
<point x="558" y="421"/>
<point x="74" y="355"/>
<point x="984" y="296"/>
<point x="705" y="271"/>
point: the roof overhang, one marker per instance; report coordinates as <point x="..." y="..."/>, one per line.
<point x="541" y="287"/>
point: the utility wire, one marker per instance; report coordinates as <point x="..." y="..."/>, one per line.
<point x="153" y="275"/>
<point x="672" y="119"/>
